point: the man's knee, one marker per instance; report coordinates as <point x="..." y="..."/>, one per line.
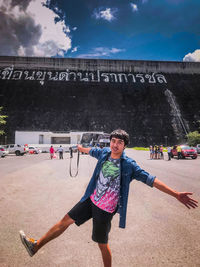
<point x="66" y="221"/>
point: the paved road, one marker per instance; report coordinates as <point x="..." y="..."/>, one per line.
<point x="35" y="192"/>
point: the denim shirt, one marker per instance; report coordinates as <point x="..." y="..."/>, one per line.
<point x="129" y="171"/>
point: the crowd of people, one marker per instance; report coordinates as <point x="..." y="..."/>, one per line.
<point x="156" y="152"/>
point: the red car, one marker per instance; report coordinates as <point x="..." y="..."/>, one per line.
<point x="186" y="151"/>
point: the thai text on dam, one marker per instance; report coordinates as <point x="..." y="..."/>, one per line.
<point x="10" y="73"/>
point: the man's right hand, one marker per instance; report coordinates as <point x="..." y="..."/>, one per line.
<point x="83" y="149"/>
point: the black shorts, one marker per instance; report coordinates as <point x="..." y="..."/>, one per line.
<point x="83" y="211"/>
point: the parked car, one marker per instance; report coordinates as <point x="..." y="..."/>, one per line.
<point x="198" y="148"/>
<point x="104" y="142"/>
<point x="3" y="152"/>
<point x="34" y="150"/>
<point x="16" y="149"/>
<point x="186" y="151"/>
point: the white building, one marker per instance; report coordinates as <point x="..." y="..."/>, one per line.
<point x="44" y="140"/>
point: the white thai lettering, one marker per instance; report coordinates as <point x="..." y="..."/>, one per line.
<point x="31" y="77"/>
<point x="82" y="76"/>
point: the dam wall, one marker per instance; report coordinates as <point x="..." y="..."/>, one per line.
<point x="155" y="102"/>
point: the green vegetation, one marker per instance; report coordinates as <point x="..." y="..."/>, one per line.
<point x="141" y="148"/>
<point x="2" y="121"/>
<point x="147" y="148"/>
<point x="193" y="138"/>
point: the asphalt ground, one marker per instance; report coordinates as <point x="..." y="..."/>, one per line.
<point x="36" y="192"/>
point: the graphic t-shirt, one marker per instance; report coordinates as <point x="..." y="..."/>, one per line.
<point x="106" y="194"/>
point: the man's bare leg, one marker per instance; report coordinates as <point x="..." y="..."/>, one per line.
<point x="55" y="231"/>
<point x="106" y="254"/>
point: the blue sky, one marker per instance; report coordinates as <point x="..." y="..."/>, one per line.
<point x="111" y="29"/>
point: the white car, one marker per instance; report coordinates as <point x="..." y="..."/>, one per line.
<point x="34" y="150"/>
<point x="3" y="152"/>
<point x="104" y="142"/>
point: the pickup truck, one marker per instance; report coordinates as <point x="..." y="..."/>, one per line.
<point x="18" y="150"/>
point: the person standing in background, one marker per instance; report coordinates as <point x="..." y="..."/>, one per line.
<point x="155" y="151"/>
<point x="179" y="152"/>
<point x="51" y="150"/>
<point x="151" y="152"/>
<point x="161" y="152"/>
<point x="169" y="152"/>
<point x="60" y="150"/>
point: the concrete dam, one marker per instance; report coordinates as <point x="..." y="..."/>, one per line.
<point x="156" y="102"/>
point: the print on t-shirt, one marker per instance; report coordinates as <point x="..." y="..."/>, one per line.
<point x="106" y="194"/>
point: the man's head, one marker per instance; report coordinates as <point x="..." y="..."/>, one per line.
<point x="120" y="134"/>
<point x="119" y="139"/>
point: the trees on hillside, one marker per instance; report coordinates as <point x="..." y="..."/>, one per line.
<point x="194" y="137"/>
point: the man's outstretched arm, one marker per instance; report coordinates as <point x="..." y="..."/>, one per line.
<point x="84" y="149"/>
<point x="183" y="197"/>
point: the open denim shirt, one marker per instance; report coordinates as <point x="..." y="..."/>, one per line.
<point x="129" y="171"/>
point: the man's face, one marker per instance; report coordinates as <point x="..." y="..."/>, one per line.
<point x="117" y="146"/>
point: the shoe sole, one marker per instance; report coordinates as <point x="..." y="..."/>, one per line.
<point x="22" y="237"/>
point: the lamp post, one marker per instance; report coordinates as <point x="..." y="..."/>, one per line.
<point x="165" y="140"/>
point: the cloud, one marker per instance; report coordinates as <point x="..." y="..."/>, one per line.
<point x="134" y="7"/>
<point x="22" y="4"/>
<point x="74" y="49"/>
<point x="30" y="28"/>
<point x="107" y="14"/>
<point x="195" y="56"/>
<point x="101" y="52"/>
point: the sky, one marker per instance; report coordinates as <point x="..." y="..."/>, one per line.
<point x="166" y="30"/>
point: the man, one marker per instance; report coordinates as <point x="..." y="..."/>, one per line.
<point x="179" y="152"/>
<point x="60" y="150"/>
<point x="106" y="194"/>
<point x="169" y="152"/>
